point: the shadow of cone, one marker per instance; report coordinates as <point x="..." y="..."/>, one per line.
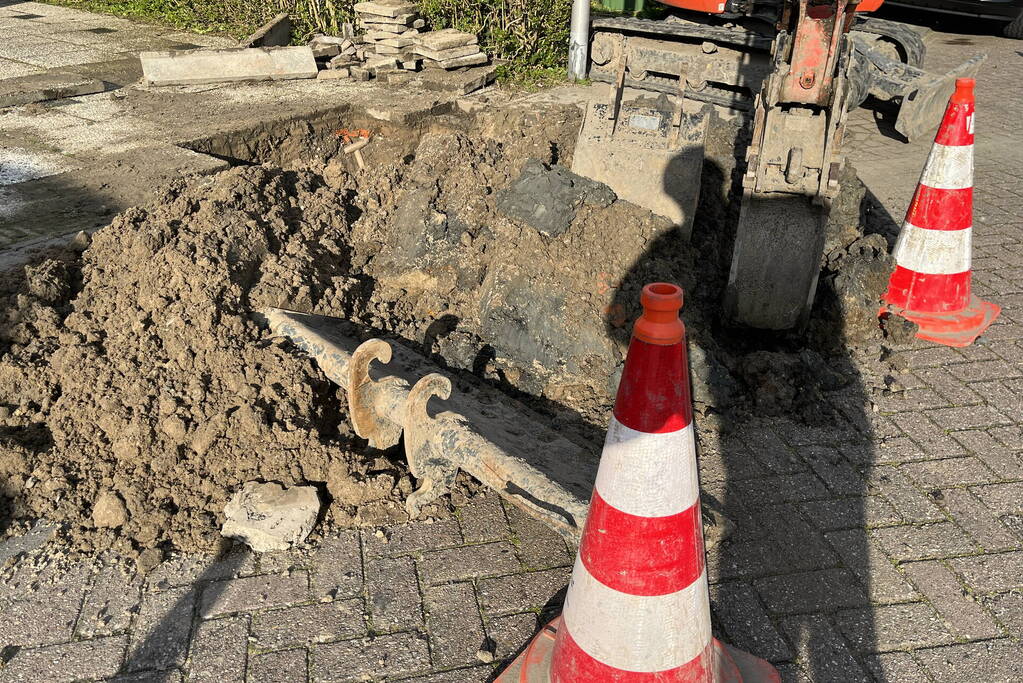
<point x="931" y="285"/>
<point x="638" y="605"/>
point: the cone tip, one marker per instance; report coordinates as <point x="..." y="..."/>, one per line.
<point x="964" y="90"/>
<point x="660" y="323"/>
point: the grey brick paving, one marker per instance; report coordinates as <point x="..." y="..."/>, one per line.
<point x="884" y="545"/>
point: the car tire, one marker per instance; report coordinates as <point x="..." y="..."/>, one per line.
<point x="1014" y="29"/>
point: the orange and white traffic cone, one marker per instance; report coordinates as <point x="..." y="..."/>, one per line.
<point x="931" y="282"/>
<point x="638" y="606"/>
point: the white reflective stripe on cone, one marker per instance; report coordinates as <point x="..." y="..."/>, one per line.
<point x="935" y="252"/>
<point x="637" y="632"/>
<point x="949" y="168"/>
<point x="648" y="475"/>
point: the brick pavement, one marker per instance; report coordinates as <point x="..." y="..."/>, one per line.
<point x="884" y="548"/>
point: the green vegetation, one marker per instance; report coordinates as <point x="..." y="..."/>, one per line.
<point x="532" y="35"/>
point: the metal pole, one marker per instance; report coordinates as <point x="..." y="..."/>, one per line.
<point x="579" y="40"/>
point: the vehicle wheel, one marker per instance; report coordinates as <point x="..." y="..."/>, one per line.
<point x="1014" y="29"/>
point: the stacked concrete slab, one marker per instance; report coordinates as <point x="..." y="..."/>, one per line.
<point x="449" y="49"/>
<point x="390" y="28"/>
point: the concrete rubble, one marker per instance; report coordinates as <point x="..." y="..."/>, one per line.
<point x="268" y="517"/>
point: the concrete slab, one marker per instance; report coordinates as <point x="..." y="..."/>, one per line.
<point x="51" y="85"/>
<point x="459" y="82"/>
<point x="274" y="33"/>
<point x="226" y="65"/>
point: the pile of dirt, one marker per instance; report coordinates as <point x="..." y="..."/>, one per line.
<point x="140" y="394"/>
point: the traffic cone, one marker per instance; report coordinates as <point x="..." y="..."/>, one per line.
<point x="638" y="606"/>
<point x="931" y="282"/>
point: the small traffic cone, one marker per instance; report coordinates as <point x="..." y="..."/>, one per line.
<point x="638" y="606"/>
<point x="931" y="282"/>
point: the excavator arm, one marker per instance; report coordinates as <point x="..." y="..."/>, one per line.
<point x="793" y="169"/>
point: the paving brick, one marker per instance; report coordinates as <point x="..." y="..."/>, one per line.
<point x="770" y="451"/>
<point x="797" y="544"/>
<point x="981" y="370"/>
<point x="834" y="470"/>
<point x="978" y="521"/>
<point x="285" y="666"/>
<point x="307" y="624"/>
<point x="537" y="545"/>
<point x="254" y="593"/>
<point x="923" y="542"/>
<point x="950" y="472"/>
<point x="110" y="604"/>
<point x="874" y="570"/>
<point x="853" y="512"/>
<point x="991" y="573"/>
<point x="931" y="357"/>
<point x="165" y="676"/>
<point x="392" y="587"/>
<point x="934" y="440"/>
<point x="967" y="417"/>
<point x="522" y="592"/>
<point x="86" y="659"/>
<point x="218" y="651"/>
<point x="965" y="617"/>
<point x="822" y="652"/>
<point x="790" y="488"/>
<point x="895" y="450"/>
<point x="999" y="458"/>
<point x="737" y="607"/>
<point x="337" y="566"/>
<point x="895" y="667"/>
<point x="1001" y="499"/>
<point x="907" y="499"/>
<point x="992" y="660"/>
<point x="816" y="591"/>
<point x="41" y="610"/>
<point x="1008" y="609"/>
<point x="511" y="633"/>
<point x="467" y="562"/>
<point x="386" y="656"/>
<point x="454" y="624"/>
<point x="160" y="633"/>
<point x="475" y="674"/>
<point x="951" y="388"/>
<point x="893" y="627"/>
<point x="404" y="539"/>
<point x="482" y="519"/>
<point x="185" y="570"/>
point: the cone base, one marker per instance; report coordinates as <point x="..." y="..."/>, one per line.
<point x="730" y="664"/>
<point x="958" y="329"/>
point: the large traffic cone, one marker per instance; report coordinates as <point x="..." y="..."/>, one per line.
<point x="638" y="607"/>
<point x="931" y="282"/>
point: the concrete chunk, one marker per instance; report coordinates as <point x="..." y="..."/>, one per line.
<point x="229" y="64"/>
<point x="386" y="8"/>
<point x="459" y="82"/>
<point x="458" y="62"/>
<point x="52" y="85"/>
<point x="446" y="39"/>
<point x="401" y="19"/>
<point x="270" y="517"/>
<point x="450" y="53"/>
<point x="274" y="33"/>
<point x="399" y="42"/>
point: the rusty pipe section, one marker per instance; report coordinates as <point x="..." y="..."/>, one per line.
<point x="448" y="424"/>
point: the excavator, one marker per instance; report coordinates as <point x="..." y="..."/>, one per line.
<point x="795" y="68"/>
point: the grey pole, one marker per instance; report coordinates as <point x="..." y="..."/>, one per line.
<point x="579" y="40"/>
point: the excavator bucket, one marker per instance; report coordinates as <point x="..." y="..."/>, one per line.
<point x="648" y="150"/>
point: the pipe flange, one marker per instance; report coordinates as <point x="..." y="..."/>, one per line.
<point x="370" y="417"/>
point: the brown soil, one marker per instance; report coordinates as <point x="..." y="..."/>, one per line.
<point x="134" y="368"/>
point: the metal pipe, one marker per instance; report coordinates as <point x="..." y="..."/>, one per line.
<point x="579" y="40"/>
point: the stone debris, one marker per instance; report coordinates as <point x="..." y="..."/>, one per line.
<point x="268" y="517"/>
<point x="109" y="511"/>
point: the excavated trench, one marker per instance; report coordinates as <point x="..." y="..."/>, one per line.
<point x="134" y="375"/>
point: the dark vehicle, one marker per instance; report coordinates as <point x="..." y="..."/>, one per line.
<point x="1002" y="10"/>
